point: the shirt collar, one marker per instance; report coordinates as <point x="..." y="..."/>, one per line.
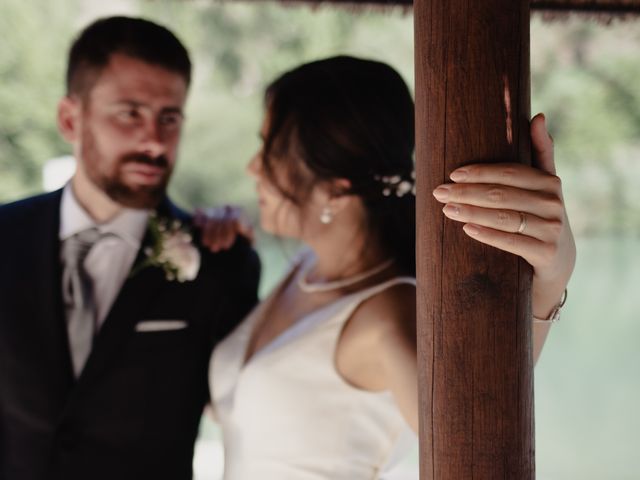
<point x="130" y="224"/>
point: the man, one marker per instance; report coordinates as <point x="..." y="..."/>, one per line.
<point x="108" y="313"/>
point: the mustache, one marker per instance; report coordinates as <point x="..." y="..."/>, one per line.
<point x="159" y="161"/>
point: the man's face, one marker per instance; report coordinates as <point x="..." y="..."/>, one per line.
<point x="128" y="128"/>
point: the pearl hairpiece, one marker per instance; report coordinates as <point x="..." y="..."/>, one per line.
<point x="395" y="184"/>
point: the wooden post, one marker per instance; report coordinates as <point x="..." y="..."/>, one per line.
<point x="474" y="325"/>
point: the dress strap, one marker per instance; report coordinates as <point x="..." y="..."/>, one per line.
<point x="354" y="300"/>
<point x="375" y="289"/>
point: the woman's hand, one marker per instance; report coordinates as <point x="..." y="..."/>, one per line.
<point x="221" y="226"/>
<point x="518" y="209"/>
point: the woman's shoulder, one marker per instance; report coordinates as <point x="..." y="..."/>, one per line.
<point x="382" y="328"/>
<point x="389" y="308"/>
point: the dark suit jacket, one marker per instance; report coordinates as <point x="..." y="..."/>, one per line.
<point x="134" y="411"/>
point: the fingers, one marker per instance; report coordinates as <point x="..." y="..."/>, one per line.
<point x="509" y="174"/>
<point x="507" y="221"/>
<point x="213" y="234"/>
<point x="534" y="251"/>
<point x="518" y="209"/>
<point x="199" y="217"/>
<point x="221" y="226"/>
<point x="499" y="197"/>
<point x="531" y="224"/>
<point x="542" y="145"/>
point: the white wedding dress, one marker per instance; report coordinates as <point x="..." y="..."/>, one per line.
<point x="288" y="415"/>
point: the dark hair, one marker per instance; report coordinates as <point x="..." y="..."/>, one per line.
<point x="348" y="118"/>
<point x="135" y="37"/>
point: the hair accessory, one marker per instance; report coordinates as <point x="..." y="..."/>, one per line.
<point x="555" y="313"/>
<point x="326" y="216"/>
<point x="396" y="185"/>
<point x="307" y="287"/>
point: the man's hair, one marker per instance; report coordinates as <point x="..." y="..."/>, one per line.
<point x="135" y="37"/>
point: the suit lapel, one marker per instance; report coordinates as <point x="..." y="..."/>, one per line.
<point x="45" y="255"/>
<point x="136" y="293"/>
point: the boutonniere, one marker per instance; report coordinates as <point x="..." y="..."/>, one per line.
<point x="171" y="249"/>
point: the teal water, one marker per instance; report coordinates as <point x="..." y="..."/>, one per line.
<point x="587" y="382"/>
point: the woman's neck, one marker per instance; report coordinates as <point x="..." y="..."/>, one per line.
<point x="345" y="256"/>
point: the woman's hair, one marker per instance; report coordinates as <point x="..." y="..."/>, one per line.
<point x="348" y="118"/>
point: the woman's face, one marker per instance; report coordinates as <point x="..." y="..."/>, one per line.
<point x="278" y="214"/>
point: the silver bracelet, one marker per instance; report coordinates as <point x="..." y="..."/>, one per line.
<point x="555" y="313"/>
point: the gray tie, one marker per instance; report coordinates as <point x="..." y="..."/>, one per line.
<point x="78" y="296"/>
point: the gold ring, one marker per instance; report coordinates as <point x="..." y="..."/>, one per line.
<point x="523" y="222"/>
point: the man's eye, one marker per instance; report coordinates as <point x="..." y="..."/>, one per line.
<point x="170" y="119"/>
<point x="129" y="115"/>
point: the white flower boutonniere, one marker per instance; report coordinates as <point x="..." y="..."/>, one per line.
<point x="171" y="249"/>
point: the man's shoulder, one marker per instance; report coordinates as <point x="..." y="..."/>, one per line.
<point x="241" y="258"/>
<point x="26" y="208"/>
<point x="170" y="210"/>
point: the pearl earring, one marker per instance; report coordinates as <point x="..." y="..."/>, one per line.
<point x="326" y="216"/>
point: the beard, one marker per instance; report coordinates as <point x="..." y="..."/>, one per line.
<point x="108" y="176"/>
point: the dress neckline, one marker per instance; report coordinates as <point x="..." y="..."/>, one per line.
<point x="300" y="322"/>
<point x="289" y="330"/>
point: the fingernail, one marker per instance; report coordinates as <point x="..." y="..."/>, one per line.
<point x="441" y="193"/>
<point x="451" y="209"/>
<point x="459" y="175"/>
<point x="471" y="229"/>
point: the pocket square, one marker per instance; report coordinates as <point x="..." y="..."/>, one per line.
<point x="160" y="325"/>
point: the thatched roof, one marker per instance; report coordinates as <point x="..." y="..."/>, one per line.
<point x="606" y="7"/>
<point x="588" y="6"/>
<point x="604" y="11"/>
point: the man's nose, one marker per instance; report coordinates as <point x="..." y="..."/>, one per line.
<point x="154" y="141"/>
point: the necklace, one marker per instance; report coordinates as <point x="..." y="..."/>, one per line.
<point x="307" y="287"/>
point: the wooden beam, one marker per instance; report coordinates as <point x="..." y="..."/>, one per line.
<point x="474" y="325"/>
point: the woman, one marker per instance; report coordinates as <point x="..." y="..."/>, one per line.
<point x="319" y="382"/>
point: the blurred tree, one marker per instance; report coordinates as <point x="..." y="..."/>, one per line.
<point x="584" y="80"/>
<point x="35" y="38"/>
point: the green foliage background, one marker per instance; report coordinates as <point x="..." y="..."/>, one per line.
<point x="584" y="77"/>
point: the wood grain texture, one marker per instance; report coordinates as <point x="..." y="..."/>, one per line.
<point x="474" y="327"/>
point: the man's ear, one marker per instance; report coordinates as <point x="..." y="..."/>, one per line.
<point x="69" y="118"/>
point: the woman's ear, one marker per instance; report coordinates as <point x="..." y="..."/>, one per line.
<point x="339" y="197"/>
<point x="69" y="119"/>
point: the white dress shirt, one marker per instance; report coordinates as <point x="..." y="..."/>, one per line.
<point x="110" y="260"/>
